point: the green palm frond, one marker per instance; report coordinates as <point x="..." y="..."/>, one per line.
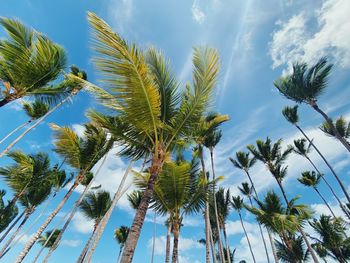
<point x="135" y="198"/>
<point x="341" y="125"/>
<point x="294" y="252"/>
<point x="121" y="234"/>
<point x="95" y="205"/>
<point x="36" y="109"/>
<point x="237" y="203"/>
<point x="310" y="178"/>
<point x="49" y="238"/>
<point x="246" y="189"/>
<point x="243" y="160"/>
<point x="291" y="114"/>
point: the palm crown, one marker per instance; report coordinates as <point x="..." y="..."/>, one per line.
<point x="36" y="109"/>
<point x="120" y="234"/>
<point x="340" y="125"/>
<point x="301" y="148"/>
<point x="49" y="238"/>
<point x="310" y="178"/>
<point x="291" y="114"/>
<point x="243" y="161"/>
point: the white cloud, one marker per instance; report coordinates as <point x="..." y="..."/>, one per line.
<point x="79" y="129"/>
<point x="71" y="242"/>
<point x="197" y="14"/>
<point x="121" y="13"/>
<point x="81" y="224"/>
<point x="295" y="41"/>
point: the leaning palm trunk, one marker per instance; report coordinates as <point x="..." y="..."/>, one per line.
<point x="329" y="121"/>
<point x="228" y="252"/>
<point x="167" y="248"/>
<point x="246" y="235"/>
<point x="35" y="237"/>
<point x="9" y="147"/>
<point x="12" y="226"/>
<point x="176" y="233"/>
<point x="268" y="232"/>
<point x="221" y="251"/>
<point x="324" y="200"/>
<point x="15" y="130"/>
<point x="212" y="245"/>
<point x="119" y="254"/>
<point x="103" y="223"/>
<point x="4" y="249"/>
<point x="326" y="162"/>
<point x="86" y="248"/>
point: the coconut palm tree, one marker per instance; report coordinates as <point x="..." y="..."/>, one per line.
<point x="82" y="153"/>
<point x="294" y="253"/>
<point x="291" y="115"/>
<point x="34" y="110"/>
<point x="155" y="115"/>
<point x="311" y="179"/>
<point x="237" y="204"/>
<point x="342" y="127"/>
<point x="94" y="206"/>
<point x="29" y="62"/>
<point x="332" y="240"/>
<point x="7" y="213"/>
<point x="47" y="241"/>
<point x="121" y="234"/>
<point x="305" y="85"/>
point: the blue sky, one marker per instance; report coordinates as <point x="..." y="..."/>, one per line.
<point x="257" y="42"/>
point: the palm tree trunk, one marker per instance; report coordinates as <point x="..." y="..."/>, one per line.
<point x="176" y="233"/>
<point x="325" y="202"/>
<point x="329" y="121"/>
<point x="9" y="147"/>
<point x="120" y="252"/>
<point x="38" y="255"/>
<point x="34" y="238"/>
<point x="167" y="248"/>
<point x="4" y="101"/>
<point x="86" y="248"/>
<point x="12" y="226"/>
<point x="262" y="234"/>
<point x="272" y="247"/>
<point x="103" y="223"/>
<point x="327" y="163"/>
<point x="212" y="245"/>
<point x="221" y="251"/>
<point x="16" y="129"/>
<point x="246" y="235"/>
<point x="228" y="252"/>
<point x="8" y="243"/>
<point x="154" y="235"/>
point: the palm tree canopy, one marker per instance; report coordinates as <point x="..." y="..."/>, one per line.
<point x="36" y="109"/>
<point x="37" y="194"/>
<point x="29" y="61"/>
<point x="291" y="114"/>
<point x="46" y="240"/>
<point x="310" y="178"/>
<point x="237" y="203"/>
<point x="95" y="205"/>
<point x="279" y="172"/>
<point x="305" y="84"/>
<point x="121" y="234"/>
<point x="7" y="213"/>
<point x="243" y="161"/>
<point x="246" y="189"/>
<point x="340" y="125"/>
<point x="296" y="252"/>
<point x="301" y="148"/>
<point x="223" y="204"/>
<point x="135" y="198"/>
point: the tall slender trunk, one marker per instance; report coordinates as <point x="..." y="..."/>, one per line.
<point x="103" y="223"/>
<point x="12" y="226"/>
<point x="329" y="121"/>
<point x="228" y="251"/>
<point x="268" y="231"/>
<point x="9" y="241"/>
<point x="4" y="101"/>
<point x="324" y="200"/>
<point x="154" y="235"/>
<point x="86" y="248"/>
<point x="176" y="234"/>
<point x="16" y="129"/>
<point x="327" y="163"/>
<point x="246" y="235"/>
<point x="9" y="147"/>
<point x="206" y="215"/>
<point x="261" y="233"/>
<point x="35" y="237"/>
<point x="221" y="251"/>
<point x="119" y="254"/>
<point x="167" y="248"/>
<point x="38" y="255"/>
<point x="212" y="244"/>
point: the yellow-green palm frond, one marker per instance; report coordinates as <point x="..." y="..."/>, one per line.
<point x="127" y="77"/>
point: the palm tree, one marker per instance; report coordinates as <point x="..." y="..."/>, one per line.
<point x="247" y="191"/>
<point x="94" y="207"/>
<point x="73" y="82"/>
<point x="7" y="213"/>
<point x="342" y="127"/>
<point x="47" y="241"/>
<point x="311" y="179"/>
<point x="294" y="253"/>
<point x="82" y="153"/>
<point x="29" y="62"/>
<point x="34" y="110"/>
<point x="121" y="234"/>
<point x="305" y="85"/>
<point x="332" y="240"/>
<point x="291" y="115"/>
<point x="237" y="204"/>
<point x="153" y="113"/>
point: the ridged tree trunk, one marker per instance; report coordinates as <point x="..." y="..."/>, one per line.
<point x="212" y="245"/>
<point x="9" y="241"/>
<point x="324" y="200"/>
<point x="228" y="252"/>
<point x="326" y="162"/>
<point x="221" y="250"/>
<point x="176" y="233"/>
<point x="329" y="121"/>
<point x="16" y="129"/>
<point x="35" y="237"/>
<point x="86" y="248"/>
<point x="9" y="147"/>
<point x="103" y="223"/>
<point x="246" y="235"/>
<point x="12" y="226"/>
<point x="268" y="232"/>
<point x="167" y="247"/>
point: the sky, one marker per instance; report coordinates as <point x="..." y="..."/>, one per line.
<point x="257" y="41"/>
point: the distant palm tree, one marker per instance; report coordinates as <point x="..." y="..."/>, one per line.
<point x="94" y="207"/>
<point x="237" y="204"/>
<point x="29" y="62"/>
<point x="333" y="240"/>
<point x="342" y="127"/>
<point x="47" y="241"/>
<point x="121" y="234"/>
<point x="305" y="85"/>
<point x="34" y="110"/>
<point x="7" y="213"/>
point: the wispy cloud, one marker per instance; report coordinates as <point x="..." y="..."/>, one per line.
<point x="197" y="13"/>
